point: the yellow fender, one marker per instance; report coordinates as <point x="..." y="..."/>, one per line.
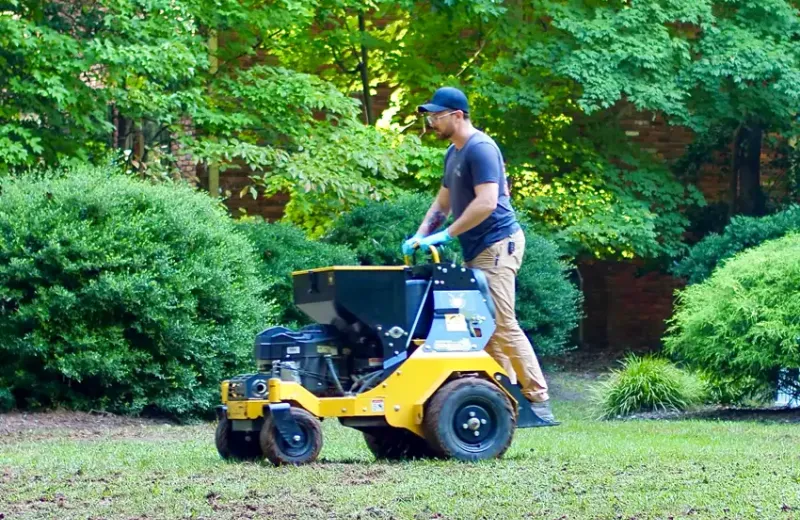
<point x="400" y="398"/>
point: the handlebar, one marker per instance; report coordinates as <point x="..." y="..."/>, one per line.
<point x="434" y="254"/>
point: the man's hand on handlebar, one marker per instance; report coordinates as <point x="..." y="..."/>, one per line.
<point x="411" y="243"/>
<point x="441" y="237"/>
<point x="418" y="241"/>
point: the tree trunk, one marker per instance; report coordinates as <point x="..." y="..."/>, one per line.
<point x="365" y="70"/>
<point x="746" y="183"/>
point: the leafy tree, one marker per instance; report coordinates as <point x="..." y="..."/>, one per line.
<point x="503" y="55"/>
<point x="271" y="88"/>
<point x="548" y="79"/>
<point x="63" y="65"/>
<point x="719" y="67"/>
<point x="156" y="63"/>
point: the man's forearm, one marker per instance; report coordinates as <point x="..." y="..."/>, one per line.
<point x="477" y="211"/>
<point x="433" y="219"/>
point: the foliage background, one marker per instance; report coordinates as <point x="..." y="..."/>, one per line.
<point x="740" y="234"/>
<point x="287" y="91"/>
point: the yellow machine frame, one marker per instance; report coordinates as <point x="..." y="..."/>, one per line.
<point x="400" y="402"/>
<point x="290" y="430"/>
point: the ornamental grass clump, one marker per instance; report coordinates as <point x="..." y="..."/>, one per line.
<point x="648" y="384"/>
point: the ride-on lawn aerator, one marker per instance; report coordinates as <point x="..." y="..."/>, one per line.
<point x="397" y="352"/>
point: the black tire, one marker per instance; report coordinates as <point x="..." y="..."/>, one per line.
<point x="463" y="402"/>
<point x="279" y="452"/>
<point x="233" y="445"/>
<point x="397" y="444"/>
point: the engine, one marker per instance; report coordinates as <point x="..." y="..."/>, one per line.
<point x="324" y="359"/>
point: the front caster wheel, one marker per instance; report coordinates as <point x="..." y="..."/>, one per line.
<point x="470" y="419"/>
<point x="305" y="445"/>
<point x="233" y="445"/>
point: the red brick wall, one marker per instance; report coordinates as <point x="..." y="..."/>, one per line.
<point x="624" y="308"/>
<point x="626" y="305"/>
<point x="185" y="161"/>
<point x="231" y="183"/>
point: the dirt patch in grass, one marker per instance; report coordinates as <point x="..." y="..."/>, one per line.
<point x="19" y="426"/>
<point x="363" y="476"/>
<point x="256" y="505"/>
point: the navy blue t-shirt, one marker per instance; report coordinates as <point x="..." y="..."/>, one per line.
<point x="479" y="161"/>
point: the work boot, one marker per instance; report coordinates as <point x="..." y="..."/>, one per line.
<point x="542" y="410"/>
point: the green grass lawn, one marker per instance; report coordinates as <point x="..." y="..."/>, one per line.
<point x="581" y="469"/>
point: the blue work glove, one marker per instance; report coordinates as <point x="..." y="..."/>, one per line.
<point x="408" y="245"/>
<point x="437" y="238"/>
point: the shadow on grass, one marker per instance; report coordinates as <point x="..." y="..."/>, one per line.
<point x="767" y="415"/>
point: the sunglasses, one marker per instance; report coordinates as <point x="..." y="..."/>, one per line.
<point x="431" y="119"/>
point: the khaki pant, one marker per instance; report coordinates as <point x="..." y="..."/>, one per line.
<point x="508" y="345"/>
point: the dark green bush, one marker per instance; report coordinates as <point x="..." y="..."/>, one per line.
<point x="6" y="400"/>
<point x="648" y="384"/>
<point x="742" y="325"/>
<point x="284" y="248"/>
<point x="375" y="231"/>
<point x="548" y="304"/>
<point x="741" y="233"/>
<point x="121" y="295"/>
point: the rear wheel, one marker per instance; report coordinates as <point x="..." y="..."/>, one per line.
<point x="305" y="447"/>
<point x="470" y="419"/>
<point x="233" y="445"/>
<point x="397" y="444"/>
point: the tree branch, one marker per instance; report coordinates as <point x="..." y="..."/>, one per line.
<point x="474" y="57"/>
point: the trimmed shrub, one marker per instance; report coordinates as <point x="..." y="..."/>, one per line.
<point x="284" y="248"/>
<point x="121" y="295"/>
<point x="742" y="324"/>
<point x="376" y="230"/>
<point x="548" y="303"/>
<point x="741" y="233"/>
<point x="648" y="384"/>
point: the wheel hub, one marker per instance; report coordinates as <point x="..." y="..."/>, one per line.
<point x="295" y="445"/>
<point x="474" y="424"/>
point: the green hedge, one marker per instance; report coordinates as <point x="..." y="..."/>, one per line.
<point x="742" y="325"/>
<point x="121" y="295"/>
<point x="283" y="248"/>
<point x="740" y="234"/>
<point x="548" y="304"/>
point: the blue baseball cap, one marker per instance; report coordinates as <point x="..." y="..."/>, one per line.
<point x="446" y="98"/>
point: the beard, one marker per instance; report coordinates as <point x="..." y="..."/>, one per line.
<point x="444" y="134"/>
